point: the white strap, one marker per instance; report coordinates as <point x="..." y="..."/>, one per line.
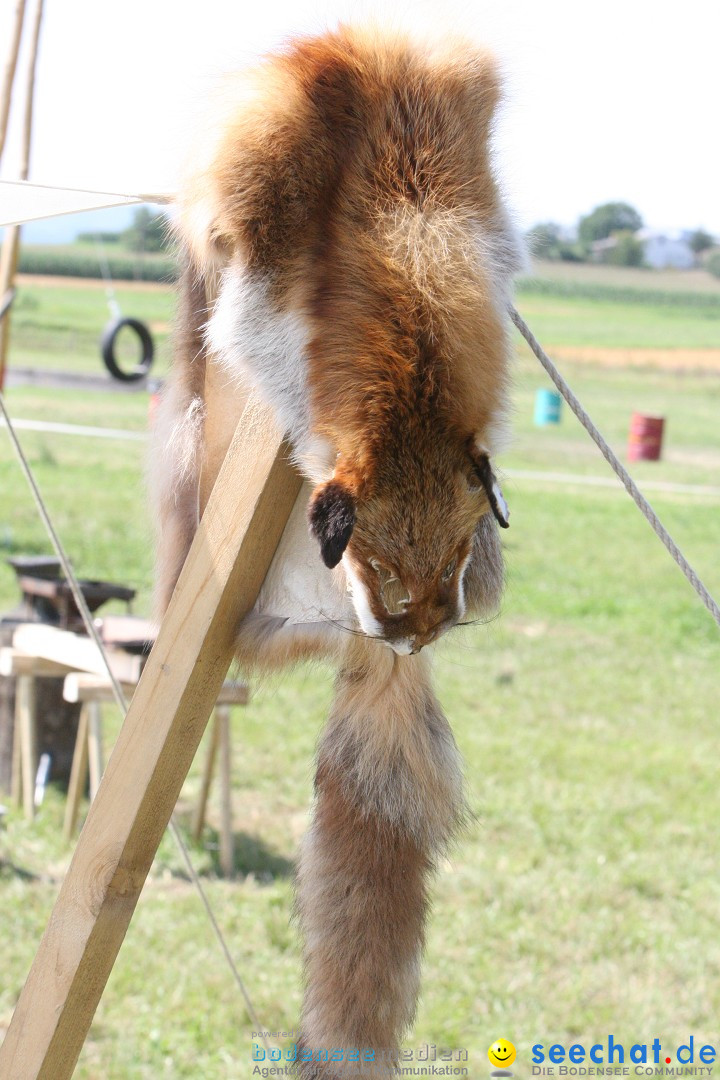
<point x="22" y="201"/>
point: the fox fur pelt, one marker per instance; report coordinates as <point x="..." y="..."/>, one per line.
<point x="349" y="257"/>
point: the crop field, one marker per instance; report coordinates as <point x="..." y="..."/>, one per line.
<point x="630" y="279"/>
<point x="82" y="260"/>
<point x="583" y="898"/>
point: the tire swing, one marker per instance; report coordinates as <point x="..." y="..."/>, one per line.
<point x="108" y="343"/>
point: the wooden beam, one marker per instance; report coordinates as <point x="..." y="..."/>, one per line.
<point x="95" y="747"/>
<point x="81" y="686"/>
<point x="126" y="630"/>
<point x="11" y="237"/>
<point x="78" y="776"/>
<point x="33" y="49"/>
<point x="75" y="651"/>
<point x="198" y="821"/>
<point x="227" y="841"/>
<point x="229" y="558"/>
<point x="9" y="71"/>
<point x="14" y="663"/>
<point x="25" y="724"/>
<point x="233" y="693"/>
<point x="16" y="791"/>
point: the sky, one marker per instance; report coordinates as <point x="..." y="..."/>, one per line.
<point x="604" y="101"/>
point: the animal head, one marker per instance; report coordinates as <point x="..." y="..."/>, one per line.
<point x="406" y="541"/>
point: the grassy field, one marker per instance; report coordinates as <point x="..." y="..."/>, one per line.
<point x="58" y="322"/>
<point x="628" y="277"/>
<point x="576" y="306"/>
<point x="584" y="897"/>
<point x="578" y="321"/>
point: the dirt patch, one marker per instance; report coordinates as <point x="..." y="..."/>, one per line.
<point x="665" y="359"/>
<point x="58" y="282"/>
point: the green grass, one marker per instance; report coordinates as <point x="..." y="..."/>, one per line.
<point x="583" y="898"/>
<point x="59" y="326"/>
<point x="626" y="278"/>
<point x="94" y="489"/>
<point x="577" y="320"/>
<point x="689" y="403"/>
<point x="613" y="307"/>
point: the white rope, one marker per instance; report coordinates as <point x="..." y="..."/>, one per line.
<point x="121" y="701"/>
<point x="107" y="278"/>
<point x="79" y="430"/>
<point x="631" y="487"/>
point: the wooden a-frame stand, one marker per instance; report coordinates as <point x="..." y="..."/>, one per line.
<point x="225" y="568"/>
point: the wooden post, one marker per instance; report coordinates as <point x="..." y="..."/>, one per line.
<point x="25" y="726"/>
<point x="73" y="652"/>
<point x="14" y="663"/>
<point x="78" y="775"/>
<point x="227" y="845"/>
<point x="198" y="821"/>
<point x="16" y="787"/>
<point x="95" y="752"/>
<point x="9" y="72"/>
<point x="229" y="558"/>
<point x="11" y="239"/>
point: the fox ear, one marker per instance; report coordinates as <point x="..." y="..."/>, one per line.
<point x="482" y="471"/>
<point x="332" y="519"/>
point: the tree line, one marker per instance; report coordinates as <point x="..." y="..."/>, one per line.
<point x="618" y="220"/>
<point x="149" y="233"/>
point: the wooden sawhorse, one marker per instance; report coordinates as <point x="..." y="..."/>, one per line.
<point x="40" y="651"/>
<point x="25" y="670"/>
<point x="92" y="691"/>
<point x="231" y="553"/>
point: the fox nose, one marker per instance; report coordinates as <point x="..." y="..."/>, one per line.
<point x="419" y="641"/>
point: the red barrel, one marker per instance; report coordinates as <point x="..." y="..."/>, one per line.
<point x="154" y="386"/>
<point x="645" y="439"/>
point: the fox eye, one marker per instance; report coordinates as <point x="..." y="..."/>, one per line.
<point x="393" y="593"/>
<point x="449" y="569"/>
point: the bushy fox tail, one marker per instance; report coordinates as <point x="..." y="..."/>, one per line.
<point x="177" y="441"/>
<point x="388" y="800"/>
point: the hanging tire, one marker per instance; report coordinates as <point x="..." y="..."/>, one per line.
<point x="107" y="348"/>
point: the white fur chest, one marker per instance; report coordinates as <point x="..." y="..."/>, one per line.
<point x="266" y="347"/>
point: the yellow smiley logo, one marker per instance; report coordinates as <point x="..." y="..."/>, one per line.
<point x="501" y="1053"/>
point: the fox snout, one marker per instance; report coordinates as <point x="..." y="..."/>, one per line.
<point x="418" y="623"/>
<point x="409" y="646"/>
<point x="418" y="632"/>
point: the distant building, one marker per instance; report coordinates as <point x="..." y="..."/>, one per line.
<point x="663" y="250"/>
<point x="600" y="249"/>
<point x="660" y="250"/>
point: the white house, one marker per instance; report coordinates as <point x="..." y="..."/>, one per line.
<point x="663" y="250"/>
<point x="660" y="250"/>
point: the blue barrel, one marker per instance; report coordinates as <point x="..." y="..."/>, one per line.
<point x="547" y="407"/>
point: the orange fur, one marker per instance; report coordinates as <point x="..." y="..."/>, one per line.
<point x="345" y="203"/>
<point x="351" y="183"/>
